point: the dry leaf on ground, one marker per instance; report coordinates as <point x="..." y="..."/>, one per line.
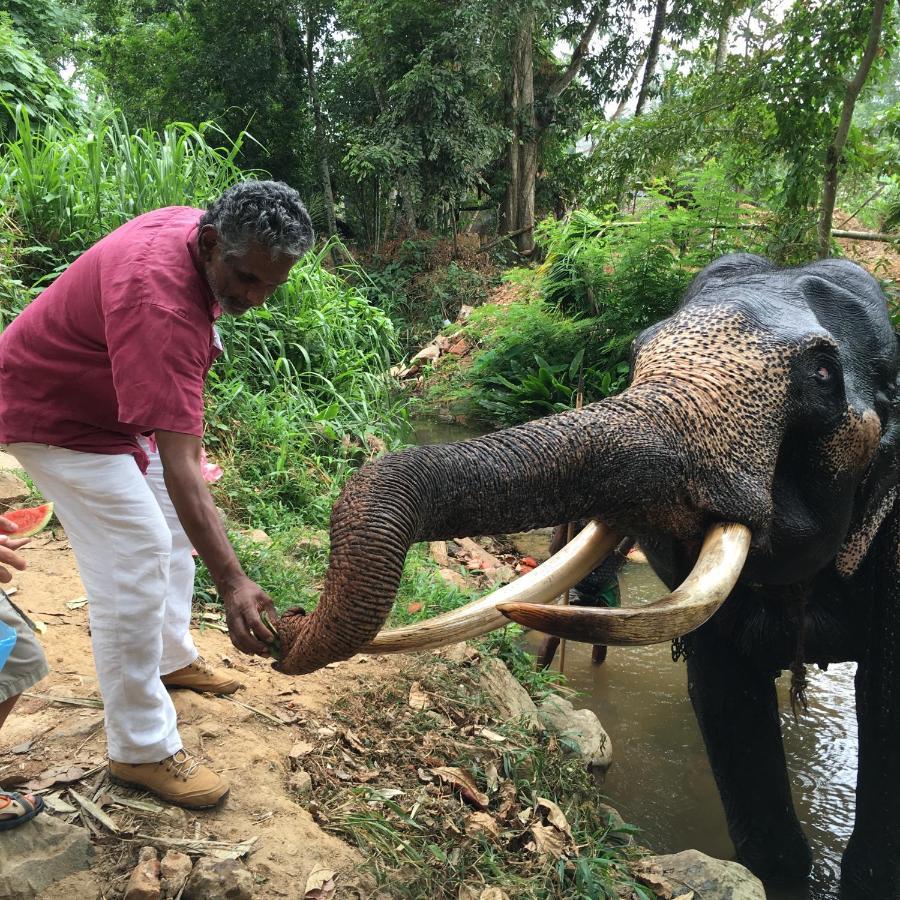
<point x="418" y="699"/>
<point x="319" y="885"/>
<point x="547" y="841"/>
<point x="482" y="823"/>
<point x="464" y="782"/>
<point x="555" y="816"/>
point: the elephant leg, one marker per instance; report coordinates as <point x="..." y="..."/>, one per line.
<point x="547" y="651"/>
<point x="871" y="864"/>
<point x="598" y="654"/>
<point x="737" y="709"/>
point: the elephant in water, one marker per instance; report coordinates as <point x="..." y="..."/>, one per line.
<point x="754" y="456"/>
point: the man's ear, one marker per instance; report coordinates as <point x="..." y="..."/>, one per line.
<point x="208" y="240"/>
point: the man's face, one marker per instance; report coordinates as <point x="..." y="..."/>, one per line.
<point x="245" y="281"/>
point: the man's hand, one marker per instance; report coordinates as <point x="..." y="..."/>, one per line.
<point x="8" y="556"/>
<point x="243" y="605"/>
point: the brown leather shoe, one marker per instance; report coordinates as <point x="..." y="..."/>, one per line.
<point x="201" y="676"/>
<point x="180" y="779"/>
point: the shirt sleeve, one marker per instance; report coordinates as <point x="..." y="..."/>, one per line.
<point x="159" y="362"/>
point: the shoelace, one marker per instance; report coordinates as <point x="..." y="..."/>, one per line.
<point x="183" y="764"/>
<point x="202" y="665"/>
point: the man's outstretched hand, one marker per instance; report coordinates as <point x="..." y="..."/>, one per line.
<point x="244" y="605"/>
<point x="8" y="546"/>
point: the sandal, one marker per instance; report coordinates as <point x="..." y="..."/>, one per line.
<point x="16" y="809"/>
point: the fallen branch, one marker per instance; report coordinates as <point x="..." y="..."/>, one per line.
<point x="66" y="701"/>
<point x="218" y="849"/>
<point x="504" y="237"/>
<point x="866" y="236"/>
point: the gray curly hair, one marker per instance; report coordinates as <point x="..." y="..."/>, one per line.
<point x="269" y="213"/>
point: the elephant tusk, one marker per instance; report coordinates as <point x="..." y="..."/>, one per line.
<point x="715" y="573"/>
<point x="563" y="570"/>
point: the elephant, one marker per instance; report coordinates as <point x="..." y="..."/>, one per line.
<point x="754" y="457"/>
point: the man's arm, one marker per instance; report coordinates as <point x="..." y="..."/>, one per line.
<point x="243" y="599"/>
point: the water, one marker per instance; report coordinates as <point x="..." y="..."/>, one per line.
<point x="660" y="778"/>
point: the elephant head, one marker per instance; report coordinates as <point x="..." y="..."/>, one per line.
<point x="754" y="457"/>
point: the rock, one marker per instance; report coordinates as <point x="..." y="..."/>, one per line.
<point x="219" y="879"/>
<point x="459" y="653"/>
<point x="439" y="553"/>
<point x="493" y="893"/>
<point x="39" y="853"/>
<point x="12" y="488"/>
<point x="8" y="462"/>
<point x="509" y="698"/>
<point x="454" y="579"/>
<point x="144" y="881"/>
<point x="579" y="726"/>
<point x="460" y="348"/>
<point x="300" y="783"/>
<point x="174" y="869"/>
<point x="431" y="352"/>
<point x="258" y="536"/>
<point x="616" y="824"/>
<point x="711" y="879"/>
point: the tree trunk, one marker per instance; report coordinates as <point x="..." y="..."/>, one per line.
<point x="528" y="143"/>
<point x="517" y="214"/>
<point x="659" y="24"/>
<point x="319" y="129"/>
<point x="833" y="157"/>
<point x="626" y="93"/>
<point x="722" y="42"/>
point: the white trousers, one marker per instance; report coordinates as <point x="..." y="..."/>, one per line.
<point x="136" y="565"/>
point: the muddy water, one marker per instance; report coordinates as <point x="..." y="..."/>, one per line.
<point x="660" y="778"/>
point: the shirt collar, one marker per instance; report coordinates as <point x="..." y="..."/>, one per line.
<point x="193" y="245"/>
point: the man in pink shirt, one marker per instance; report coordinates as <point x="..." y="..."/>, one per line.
<point x="101" y="401"/>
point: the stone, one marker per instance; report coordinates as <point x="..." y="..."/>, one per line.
<point x="300" y="783"/>
<point x="12" y="488"/>
<point x="580" y="727"/>
<point x="258" y="536"/>
<point x="508" y="697"/>
<point x="8" y="462"/>
<point x="493" y="893"/>
<point x="174" y="869"/>
<point x="617" y="825"/>
<point x="219" y="879"/>
<point x="454" y="579"/>
<point x="711" y="879"/>
<point x="431" y="352"/>
<point x="39" y="853"/>
<point x="144" y="881"/>
<point x="460" y="348"/>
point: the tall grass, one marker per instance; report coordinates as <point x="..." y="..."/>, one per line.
<point x="70" y="184"/>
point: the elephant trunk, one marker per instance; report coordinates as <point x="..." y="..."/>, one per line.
<point x="596" y="461"/>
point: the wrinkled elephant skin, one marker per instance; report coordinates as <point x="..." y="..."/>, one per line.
<point x="769" y="400"/>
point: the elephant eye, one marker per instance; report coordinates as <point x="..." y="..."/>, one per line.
<point x="823" y="373"/>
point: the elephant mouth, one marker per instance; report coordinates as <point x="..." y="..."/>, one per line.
<point x="714" y="575"/>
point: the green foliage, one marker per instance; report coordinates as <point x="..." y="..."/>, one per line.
<point x="240" y="64"/>
<point x="27" y="81"/>
<point x="603" y="280"/>
<point x="419" y="290"/>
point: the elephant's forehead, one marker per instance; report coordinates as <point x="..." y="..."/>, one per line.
<point x="720" y="339"/>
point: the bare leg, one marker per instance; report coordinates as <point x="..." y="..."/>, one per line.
<point x="6" y="708"/>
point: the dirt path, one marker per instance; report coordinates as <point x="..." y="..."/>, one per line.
<point x="47" y="741"/>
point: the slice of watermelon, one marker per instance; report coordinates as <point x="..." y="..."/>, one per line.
<point x="29" y="521"/>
